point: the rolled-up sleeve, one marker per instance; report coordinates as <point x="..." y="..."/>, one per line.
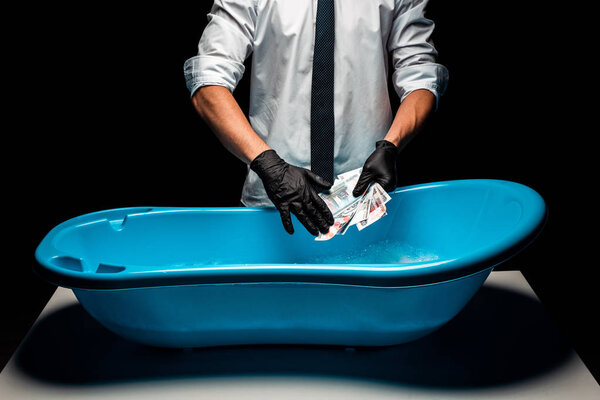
<point x="413" y="53"/>
<point x="225" y="44"/>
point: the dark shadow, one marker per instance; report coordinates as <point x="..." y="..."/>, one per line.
<point x="500" y="337"/>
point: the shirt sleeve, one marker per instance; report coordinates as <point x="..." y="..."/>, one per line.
<point x="413" y="53"/>
<point x="225" y="44"/>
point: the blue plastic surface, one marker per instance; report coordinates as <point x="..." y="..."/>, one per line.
<point x="188" y="277"/>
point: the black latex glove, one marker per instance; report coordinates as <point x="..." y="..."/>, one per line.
<point x="380" y="167"/>
<point x="294" y="189"/>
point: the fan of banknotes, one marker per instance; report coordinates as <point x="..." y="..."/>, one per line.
<point x="348" y="210"/>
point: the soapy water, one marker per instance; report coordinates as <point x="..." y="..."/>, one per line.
<point x="384" y="252"/>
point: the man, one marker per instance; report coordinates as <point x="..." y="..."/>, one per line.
<point x="319" y="96"/>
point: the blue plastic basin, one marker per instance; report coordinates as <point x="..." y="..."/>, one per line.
<point x="191" y="277"/>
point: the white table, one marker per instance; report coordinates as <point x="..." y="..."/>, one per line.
<point x="502" y="346"/>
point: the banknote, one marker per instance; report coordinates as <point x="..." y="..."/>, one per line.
<point x="348" y="210"/>
<point x="340" y="195"/>
<point x="341" y="221"/>
<point x="376" y="209"/>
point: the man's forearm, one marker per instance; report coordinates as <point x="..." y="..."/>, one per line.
<point x="219" y="109"/>
<point x="410" y="117"/>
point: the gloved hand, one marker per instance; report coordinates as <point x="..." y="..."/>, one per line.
<point x="294" y="189"/>
<point x="380" y="167"/>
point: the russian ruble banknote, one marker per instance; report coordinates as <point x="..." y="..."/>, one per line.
<point x="372" y="212"/>
<point x="348" y="210"/>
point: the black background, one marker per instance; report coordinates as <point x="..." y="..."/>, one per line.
<point x="103" y="120"/>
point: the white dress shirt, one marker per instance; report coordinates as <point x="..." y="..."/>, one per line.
<point x="280" y="35"/>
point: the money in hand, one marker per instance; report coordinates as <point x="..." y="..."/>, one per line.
<point x="348" y="210"/>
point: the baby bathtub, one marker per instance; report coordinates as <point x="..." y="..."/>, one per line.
<point x="193" y="277"/>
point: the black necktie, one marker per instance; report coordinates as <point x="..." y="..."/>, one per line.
<point x="322" y="123"/>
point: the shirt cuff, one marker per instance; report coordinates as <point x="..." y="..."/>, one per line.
<point x="430" y="76"/>
<point x="210" y="70"/>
